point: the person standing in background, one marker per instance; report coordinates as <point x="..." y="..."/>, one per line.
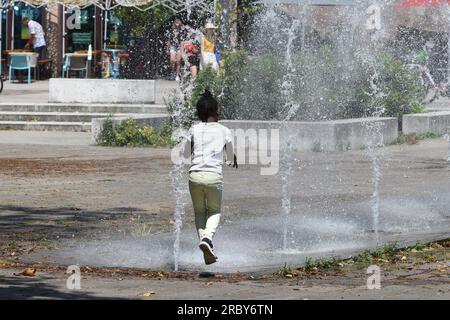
<point x="37" y="37"/>
<point x="177" y="35"/>
<point x="191" y="51"/>
<point x="208" y="47"/>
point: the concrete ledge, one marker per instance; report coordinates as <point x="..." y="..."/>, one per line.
<point x="46" y="126"/>
<point x="337" y="135"/>
<point x="156" y="121"/>
<point x="101" y="91"/>
<point x="82" y="107"/>
<point x="435" y="122"/>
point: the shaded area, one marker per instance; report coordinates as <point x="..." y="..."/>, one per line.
<point x="38" y="288"/>
<point x="26" y="229"/>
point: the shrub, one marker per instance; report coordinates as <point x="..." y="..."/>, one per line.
<point x="322" y="85"/>
<point x="402" y="88"/>
<point x="130" y="134"/>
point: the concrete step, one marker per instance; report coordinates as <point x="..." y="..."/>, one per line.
<point x="59" y="116"/>
<point x="46" y="126"/>
<point x="83" y="108"/>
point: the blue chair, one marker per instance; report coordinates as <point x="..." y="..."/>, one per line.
<point x="20" y="62"/>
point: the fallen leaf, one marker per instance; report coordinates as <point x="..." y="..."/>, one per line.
<point x="148" y="293"/>
<point x="28" y="272"/>
<point x="209" y="283"/>
<point x="288" y="275"/>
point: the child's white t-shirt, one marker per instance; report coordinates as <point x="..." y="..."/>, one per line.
<point x="209" y="140"/>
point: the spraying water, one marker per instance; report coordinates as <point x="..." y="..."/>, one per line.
<point x="286" y="171"/>
<point x="180" y="118"/>
<point x="447" y="136"/>
<point x="179" y="185"/>
<point x="375" y="129"/>
<point x="290" y="108"/>
<point x="374" y="154"/>
<point x="288" y="111"/>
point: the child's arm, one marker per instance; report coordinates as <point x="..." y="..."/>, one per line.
<point x="188" y="145"/>
<point x="202" y="44"/>
<point x="229" y="150"/>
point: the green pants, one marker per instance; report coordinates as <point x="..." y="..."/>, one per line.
<point x="206" y="193"/>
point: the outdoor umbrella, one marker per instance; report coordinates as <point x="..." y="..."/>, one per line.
<point x="435" y="4"/>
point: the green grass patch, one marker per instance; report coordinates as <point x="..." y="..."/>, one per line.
<point x="323" y="264"/>
<point x="384" y="252"/>
<point x="285" y="271"/>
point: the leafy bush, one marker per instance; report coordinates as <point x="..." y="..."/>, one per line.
<point x="321" y="85"/>
<point x="130" y="134"/>
<point x="245" y="89"/>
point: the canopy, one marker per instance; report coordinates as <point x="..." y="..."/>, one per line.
<point x="176" y="6"/>
<point x="142" y="5"/>
<point x="420" y="3"/>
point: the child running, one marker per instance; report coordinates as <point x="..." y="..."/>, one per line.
<point x="205" y="144"/>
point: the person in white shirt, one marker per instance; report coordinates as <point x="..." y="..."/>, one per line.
<point x="205" y="144"/>
<point x="37" y="37"/>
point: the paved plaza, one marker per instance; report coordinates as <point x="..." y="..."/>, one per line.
<point x="65" y="201"/>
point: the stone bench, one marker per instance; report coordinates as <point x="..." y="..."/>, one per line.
<point x="102" y="91"/>
<point x="435" y="122"/>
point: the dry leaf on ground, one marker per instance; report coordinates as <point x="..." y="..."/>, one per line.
<point x="28" y="272"/>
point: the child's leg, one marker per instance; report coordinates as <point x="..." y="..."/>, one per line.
<point x="213" y="194"/>
<point x="199" y="204"/>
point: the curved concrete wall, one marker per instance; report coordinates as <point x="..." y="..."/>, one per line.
<point x="435" y="122"/>
<point x="336" y="135"/>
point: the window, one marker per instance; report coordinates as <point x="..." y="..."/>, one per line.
<point x="80" y="25"/>
<point x="114" y="23"/>
<point x="3" y="35"/>
<point x="22" y="10"/>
